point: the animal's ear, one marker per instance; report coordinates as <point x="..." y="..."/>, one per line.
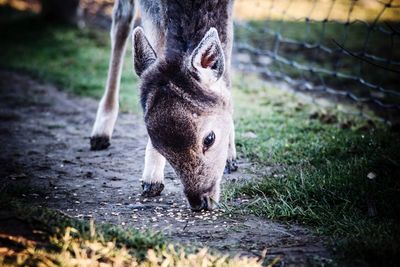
<point x="207" y="59"/>
<point x="143" y="54"/>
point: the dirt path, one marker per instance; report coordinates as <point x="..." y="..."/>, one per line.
<point x="44" y="143"/>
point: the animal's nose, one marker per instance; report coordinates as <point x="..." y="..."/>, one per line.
<point x="198" y="204"/>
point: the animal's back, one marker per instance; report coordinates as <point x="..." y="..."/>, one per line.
<point x="180" y="25"/>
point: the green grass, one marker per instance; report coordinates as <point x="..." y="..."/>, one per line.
<point x="61" y="54"/>
<point x="322" y="158"/>
<point x="320" y="155"/>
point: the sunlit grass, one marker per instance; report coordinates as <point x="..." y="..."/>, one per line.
<point x="22" y="5"/>
<point x="70" y="249"/>
<point x="51" y="238"/>
<point x="75" y="251"/>
<point x="316" y="10"/>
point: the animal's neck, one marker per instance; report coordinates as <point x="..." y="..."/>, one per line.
<point x="186" y="22"/>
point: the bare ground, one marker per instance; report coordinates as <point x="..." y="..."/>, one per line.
<point x="44" y="144"/>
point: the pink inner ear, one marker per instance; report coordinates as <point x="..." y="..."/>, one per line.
<point x="208" y="58"/>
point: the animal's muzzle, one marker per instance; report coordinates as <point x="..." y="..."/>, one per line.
<point x="199" y="203"/>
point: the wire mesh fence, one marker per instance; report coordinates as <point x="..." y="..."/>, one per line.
<point x="347" y="49"/>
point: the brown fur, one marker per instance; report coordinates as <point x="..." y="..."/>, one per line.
<point x="182" y="56"/>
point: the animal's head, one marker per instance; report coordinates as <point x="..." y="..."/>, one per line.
<point x="187" y="113"/>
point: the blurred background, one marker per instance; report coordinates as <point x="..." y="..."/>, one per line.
<point x="345" y="49"/>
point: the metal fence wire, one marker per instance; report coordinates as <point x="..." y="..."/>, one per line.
<point x="338" y="54"/>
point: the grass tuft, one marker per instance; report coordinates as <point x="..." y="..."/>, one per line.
<point x="71" y="249"/>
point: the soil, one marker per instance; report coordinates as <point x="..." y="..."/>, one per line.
<point x="44" y="137"/>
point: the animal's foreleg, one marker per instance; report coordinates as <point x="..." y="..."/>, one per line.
<point x="231" y="161"/>
<point x="153" y="174"/>
<point x="107" y="111"/>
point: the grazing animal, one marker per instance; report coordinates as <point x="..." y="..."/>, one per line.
<point x="182" y="54"/>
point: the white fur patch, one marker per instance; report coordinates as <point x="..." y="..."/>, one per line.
<point x="105" y="119"/>
<point x="154" y="164"/>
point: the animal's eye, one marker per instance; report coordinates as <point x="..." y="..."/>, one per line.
<point x="209" y="140"/>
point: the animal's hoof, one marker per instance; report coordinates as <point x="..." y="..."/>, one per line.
<point x="152" y="189"/>
<point x="231" y="166"/>
<point x="99" y="142"/>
